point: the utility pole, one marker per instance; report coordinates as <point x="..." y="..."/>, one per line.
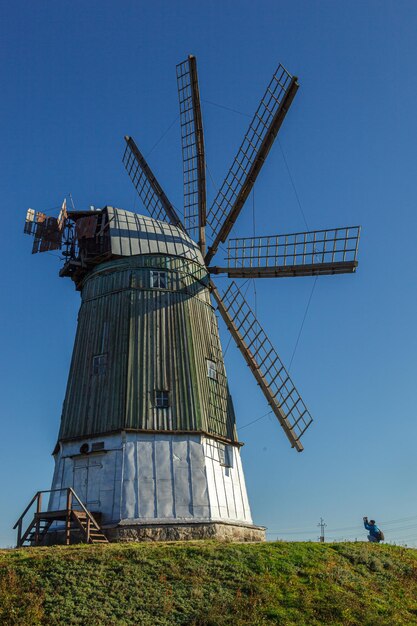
<point x="322" y="525"/>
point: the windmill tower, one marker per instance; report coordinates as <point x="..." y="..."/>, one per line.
<point x="148" y="438"/>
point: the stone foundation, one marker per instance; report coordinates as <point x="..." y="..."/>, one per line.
<point x="191" y="531"/>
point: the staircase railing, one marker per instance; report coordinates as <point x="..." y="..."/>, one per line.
<point x="90" y="518"/>
<point x="19" y="522"/>
<point x="69" y="511"/>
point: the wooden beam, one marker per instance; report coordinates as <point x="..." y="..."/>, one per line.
<point x="201" y="160"/>
<point x="295" y="443"/>
<point x="313" y="269"/>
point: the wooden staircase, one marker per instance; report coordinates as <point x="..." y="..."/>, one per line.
<point x="92" y="532"/>
<point x="76" y="516"/>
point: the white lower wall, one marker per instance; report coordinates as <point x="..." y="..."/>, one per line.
<point x="143" y="477"/>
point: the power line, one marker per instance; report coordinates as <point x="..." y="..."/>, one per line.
<point x="222" y="106"/>
<point x="302" y="324"/>
<point x="338" y="534"/>
<point x="400" y="519"/>
<point x="351" y="528"/>
<point x="216" y="189"/>
<point x="258" y="419"/>
<point x="293" y="184"/>
<point x="162" y="136"/>
<point x="332" y="531"/>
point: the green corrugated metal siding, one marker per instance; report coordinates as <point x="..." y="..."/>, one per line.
<point x="154" y="339"/>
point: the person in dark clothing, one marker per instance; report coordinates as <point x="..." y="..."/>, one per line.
<point x="374" y="532"/>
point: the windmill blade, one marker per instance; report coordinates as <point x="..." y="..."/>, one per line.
<point x="266" y="366"/>
<point x="193" y="156"/>
<point x="148" y="188"/>
<point x="251" y="155"/>
<point x="312" y="253"/>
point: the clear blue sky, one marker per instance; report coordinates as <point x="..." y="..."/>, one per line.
<point x="76" y="76"/>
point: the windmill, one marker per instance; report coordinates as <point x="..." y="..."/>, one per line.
<point x="148" y="439"/>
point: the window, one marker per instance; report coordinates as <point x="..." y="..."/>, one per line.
<point x="211" y="369"/>
<point x="162" y="399"/>
<point x="159" y="279"/>
<point x="225" y="455"/>
<point x="228" y="456"/>
<point x="99" y="364"/>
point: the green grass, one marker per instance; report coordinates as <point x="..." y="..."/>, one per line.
<point x="210" y="584"/>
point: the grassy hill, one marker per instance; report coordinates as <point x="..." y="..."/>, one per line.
<point x="207" y="583"/>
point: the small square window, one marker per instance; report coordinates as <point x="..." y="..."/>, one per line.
<point x="98" y="445"/>
<point x="162" y="399"/>
<point x="158" y="280"/>
<point x="211" y="369"/>
<point x="99" y="364"/>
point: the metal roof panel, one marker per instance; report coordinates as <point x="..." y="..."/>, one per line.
<point x="131" y="234"/>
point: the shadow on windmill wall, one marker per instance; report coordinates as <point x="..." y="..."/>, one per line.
<point x="146" y="324"/>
